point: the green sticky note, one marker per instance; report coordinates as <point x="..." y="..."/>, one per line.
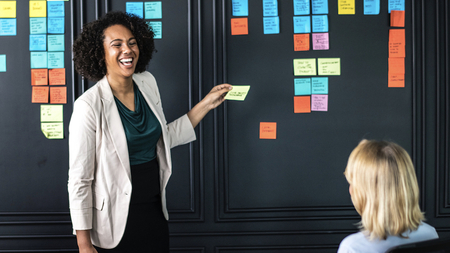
<point x="329" y="66"/>
<point x="55" y="42"/>
<point x="239" y="92"/>
<point x="2" y="62"/>
<point x="38" y="25"/>
<point x="153" y="10"/>
<point x="38" y="60"/>
<point x="51" y="113"/>
<point x="156" y="28"/>
<point x="53" y="130"/>
<point x="305" y="67"/>
<point x="55" y="60"/>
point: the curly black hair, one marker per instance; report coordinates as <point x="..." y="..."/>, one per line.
<point x="88" y="51"/>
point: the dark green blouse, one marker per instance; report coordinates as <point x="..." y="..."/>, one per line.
<point x="142" y="129"/>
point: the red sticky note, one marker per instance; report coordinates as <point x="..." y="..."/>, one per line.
<point x="396" y="81"/>
<point x="397" y="43"/>
<point x="57" y="76"/>
<point x="58" y="95"/>
<point x="239" y="26"/>
<point x="396" y="65"/>
<point x="39" y="77"/>
<point x="39" y="94"/>
<point x="267" y="130"/>
<point x="302" y="104"/>
<point x="301" y="42"/>
<point x="398" y="18"/>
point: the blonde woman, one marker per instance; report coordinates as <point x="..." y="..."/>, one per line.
<point x="384" y="191"/>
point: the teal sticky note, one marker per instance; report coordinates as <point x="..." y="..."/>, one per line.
<point x="371" y="7"/>
<point x="55" y="9"/>
<point x="2" y="63"/>
<point x="319" y="85"/>
<point x="396" y="5"/>
<point x="136" y="8"/>
<point x="157" y="28"/>
<point x="319" y="23"/>
<point x="270" y="8"/>
<point x="302" y="24"/>
<point x="55" y="25"/>
<point x="55" y="42"/>
<point x="38" y="25"/>
<point x="55" y="60"/>
<point x="301" y="7"/>
<point x="271" y="25"/>
<point x="38" y="60"/>
<point x="240" y="7"/>
<point x="153" y="10"/>
<point x="38" y="42"/>
<point x="302" y="86"/>
<point x="319" y="6"/>
<point x="8" y="27"/>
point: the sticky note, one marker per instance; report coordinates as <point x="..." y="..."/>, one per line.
<point x="7" y="9"/>
<point x="398" y="5"/>
<point x="55" y="25"/>
<point x="2" y="63"/>
<point x="319" y="6"/>
<point x="39" y="94"/>
<point x="305" y="67"/>
<point x="301" y="42"/>
<point x="240" y="7"/>
<point x="51" y="113"/>
<point x="55" y="42"/>
<point x="270" y="8"/>
<point x="153" y="10"/>
<point x="301" y="7"/>
<point x="271" y="25"/>
<point x="396" y="80"/>
<point x="319" y="85"/>
<point x="38" y="9"/>
<point x="329" y="66"/>
<point x="398" y="18"/>
<point x="302" y="86"/>
<point x="396" y="42"/>
<point x="38" y="60"/>
<point x="157" y="28"/>
<point x="320" y="23"/>
<point x="38" y="25"/>
<point x="57" y="76"/>
<point x="136" y="8"/>
<point x="55" y="9"/>
<point x="55" y="60"/>
<point x="267" y="130"/>
<point x="53" y="130"/>
<point x="58" y="95"/>
<point x="239" y="92"/>
<point x="319" y="103"/>
<point x="396" y="65"/>
<point x="302" y="104"/>
<point x="38" y="42"/>
<point x="302" y="24"/>
<point x="8" y="27"/>
<point x="371" y="7"/>
<point x="39" y="77"/>
<point x="320" y="41"/>
<point x="239" y="26"/>
<point x="346" y="7"/>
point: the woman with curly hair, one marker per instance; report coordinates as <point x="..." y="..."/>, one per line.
<point x="384" y="191"/>
<point x="119" y="141"/>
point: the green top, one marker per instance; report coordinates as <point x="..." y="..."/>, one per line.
<point x="142" y="129"/>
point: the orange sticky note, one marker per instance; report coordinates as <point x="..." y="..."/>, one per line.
<point x="302" y="104"/>
<point x="39" y="77"/>
<point x="57" y="76"/>
<point x="396" y="65"/>
<point x="58" y="95"/>
<point x="301" y="42"/>
<point x="239" y="26"/>
<point x="396" y="42"/>
<point x="39" y="94"/>
<point x="397" y="18"/>
<point x="396" y="81"/>
<point x="267" y="130"/>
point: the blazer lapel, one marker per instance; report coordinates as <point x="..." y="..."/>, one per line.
<point x="146" y="91"/>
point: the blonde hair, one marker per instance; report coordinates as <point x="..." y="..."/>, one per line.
<point x="384" y="189"/>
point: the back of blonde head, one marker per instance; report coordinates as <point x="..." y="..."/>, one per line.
<point x="384" y="189"/>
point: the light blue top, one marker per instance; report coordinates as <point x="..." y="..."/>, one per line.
<point x="359" y="243"/>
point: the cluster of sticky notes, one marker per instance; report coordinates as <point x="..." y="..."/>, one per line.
<point x="41" y="93"/>
<point x="371" y="7"/>
<point x="397" y="55"/>
<point x="271" y="20"/>
<point x="311" y="94"/>
<point x="325" y="67"/>
<point x="346" y="7"/>
<point x="8" y="21"/>
<point x="52" y="125"/>
<point x="239" y="92"/>
<point x="148" y="10"/>
<point x="267" y="130"/>
<point x="239" y="26"/>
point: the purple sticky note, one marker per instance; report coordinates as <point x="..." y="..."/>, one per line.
<point x="320" y="41"/>
<point x="319" y="103"/>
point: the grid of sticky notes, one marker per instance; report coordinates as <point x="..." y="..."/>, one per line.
<point x="305" y="24"/>
<point x="8" y="21"/>
<point x="148" y="10"/>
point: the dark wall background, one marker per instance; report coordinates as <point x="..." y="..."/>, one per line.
<point x="231" y="191"/>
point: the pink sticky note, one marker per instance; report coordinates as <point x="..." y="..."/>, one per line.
<point x="319" y="103"/>
<point x="320" y="41"/>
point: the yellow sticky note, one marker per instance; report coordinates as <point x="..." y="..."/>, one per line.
<point x="329" y="66"/>
<point x="7" y="9"/>
<point x="53" y="130"/>
<point x="305" y="67"/>
<point x="38" y="9"/>
<point x="51" y="113"/>
<point x="239" y="92"/>
<point x="346" y="7"/>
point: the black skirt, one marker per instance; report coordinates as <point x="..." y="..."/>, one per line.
<point x="147" y="229"/>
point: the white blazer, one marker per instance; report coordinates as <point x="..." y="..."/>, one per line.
<point x="99" y="176"/>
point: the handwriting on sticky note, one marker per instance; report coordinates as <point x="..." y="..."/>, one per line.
<point x="398" y="18"/>
<point x="240" y="7"/>
<point x="239" y="26"/>
<point x="319" y="103"/>
<point x="38" y="25"/>
<point x="302" y="24"/>
<point x="397" y="43"/>
<point x="301" y="42"/>
<point x="319" y="7"/>
<point x="346" y="7"/>
<point x="38" y="9"/>
<point x="58" y="95"/>
<point x="7" y="9"/>
<point x="302" y="86"/>
<point x="136" y="8"/>
<point x="305" y="67"/>
<point x="153" y="10"/>
<point x="398" y="5"/>
<point x="302" y="104"/>
<point x="55" y="8"/>
<point x="301" y="7"/>
<point x="239" y="92"/>
<point x="51" y="113"/>
<point x="396" y="81"/>
<point x="8" y="27"/>
<point x="56" y="25"/>
<point x="53" y="130"/>
<point x="57" y="76"/>
<point x="371" y="7"/>
<point x="55" y="60"/>
<point x="271" y="25"/>
<point x="267" y="130"/>
<point x="270" y="8"/>
<point x="320" y="23"/>
<point x="38" y="42"/>
<point x="157" y="28"/>
<point x="320" y="41"/>
<point x="329" y="66"/>
<point x="39" y="94"/>
<point x="55" y="42"/>
<point x="319" y="85"/>
<point x="39" y="77"/>
<point x="38" y="60"/>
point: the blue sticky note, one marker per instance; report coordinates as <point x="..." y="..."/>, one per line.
<point x="240" y="7"/>
<point x="38" y="60"/>
<point x="136" y="8"/>
<point x="301" y="7"/>
<point x="55" y="60"/>
<point x="319" y="85"/>
<point x="157" y="28"/>
<point x="319" y="6"/>
<point x="302" y="24"/>
<point x="38" y="25"/>
<point x="371" y="7"/>
<point x="55" y="42"/>
<point x="8" y="27"/>
<point x="55" y="9"/>
<point x="271" y="25"/>
<point x="153" y="10"/>
<point x="2" y="63"/>
<point x="319" y="23"/>
<point x="302" y="86"/>
<point x="55" y="25"/>
<point x="38" y="42"/>
<point x="270" y="8"/>
<point x="396" y="5"/>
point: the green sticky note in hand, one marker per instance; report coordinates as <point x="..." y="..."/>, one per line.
<point x="239" y="92"/>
